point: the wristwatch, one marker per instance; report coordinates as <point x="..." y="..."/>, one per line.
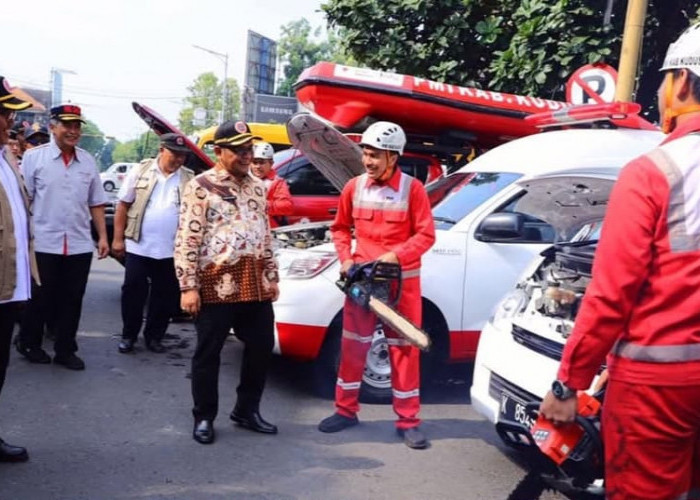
<point x="561" y="391"/>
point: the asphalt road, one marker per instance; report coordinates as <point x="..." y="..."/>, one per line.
<point x="122" y="430"/>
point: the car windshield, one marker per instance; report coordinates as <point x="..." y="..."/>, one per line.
<point x="455" y="196"/>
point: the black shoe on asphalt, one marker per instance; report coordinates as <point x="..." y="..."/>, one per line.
<point x="336" y="423"/>
<point x="155" y="346"/>
<point x="253" y="421"/>
<point x="413" y="438"/>
<point x="72" y="362"/>
<point x="34" y="354"/>
<point x="9" y="453"/>
<point x="126" y="345"/>
<point x="203" y="432"/>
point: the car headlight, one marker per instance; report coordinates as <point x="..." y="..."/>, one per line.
<point x="513" y="303"/>
<point x="310" y="265"/>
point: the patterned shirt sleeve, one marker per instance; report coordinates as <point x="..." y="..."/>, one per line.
<point x="190" y="231"/>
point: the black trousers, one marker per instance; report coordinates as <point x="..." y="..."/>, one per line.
<point x="163" y="300"/>
<point x="253" y="323"/>
<point x="9" y="314"/>
<point x="58" y="302"/>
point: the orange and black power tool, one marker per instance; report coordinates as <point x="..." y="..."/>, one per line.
<point x="575" y="449"/>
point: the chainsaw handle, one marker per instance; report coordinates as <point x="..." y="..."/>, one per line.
<point x="377" y="269"/>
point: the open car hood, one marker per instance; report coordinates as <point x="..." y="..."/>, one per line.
<point x="336" y="156"/>
<point x="196" y="160"/>
<point x="568" y="200"/>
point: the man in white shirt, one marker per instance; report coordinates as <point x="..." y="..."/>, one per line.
<point x="66" y="192"/>
<point x="145" y="223"/>
<point x="17" y="263"/>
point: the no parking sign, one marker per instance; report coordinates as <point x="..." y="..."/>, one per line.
<point x="592" y="84"/>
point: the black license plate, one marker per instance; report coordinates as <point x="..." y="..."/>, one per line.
<point x="515" y="410"/>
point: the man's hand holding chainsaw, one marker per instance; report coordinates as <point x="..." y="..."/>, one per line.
<point x="389" y="257"/>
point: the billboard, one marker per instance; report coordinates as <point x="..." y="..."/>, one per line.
<point x="273" y="108"/>
<point x="260" y="70"/>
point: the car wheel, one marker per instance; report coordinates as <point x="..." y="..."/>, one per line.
<point x="109" y="186"/>
<point x="376" y="379"/>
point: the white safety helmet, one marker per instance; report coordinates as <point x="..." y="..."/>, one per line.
<point x="384" y="135"/>
<point x="263" y="150"/>
<point x="684" y="52"/>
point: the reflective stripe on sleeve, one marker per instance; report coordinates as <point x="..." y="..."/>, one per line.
<point x="393" y="341"/>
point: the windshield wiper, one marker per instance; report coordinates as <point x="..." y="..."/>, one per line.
<point x="581" y="243"/>
<point x="445" y="219"/>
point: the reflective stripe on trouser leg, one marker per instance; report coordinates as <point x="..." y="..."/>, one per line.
<point x="358" y="329"/>
<point x="405" y="359"/>
<point x="652" y="441"/>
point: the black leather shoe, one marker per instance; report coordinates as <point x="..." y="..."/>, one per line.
<point x="33" y="355"/>
<point x="413" y="438"/>
<point x="337" y="422"/>
<point x="126" y="345"/>
<point x="203" y="432"/>
<point x="9" y="453"/>
<point x="155" y="346"/>
<point x="253" y="421"/>
<point x="71" y="361"/>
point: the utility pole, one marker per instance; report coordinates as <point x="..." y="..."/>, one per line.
<point x="57" y="84"/>
<point x="224" y="58"/>
<point x="631" y="49"/>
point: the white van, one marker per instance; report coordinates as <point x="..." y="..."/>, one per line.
<point x="488" y="229"/>
<point x="115" y="174"/>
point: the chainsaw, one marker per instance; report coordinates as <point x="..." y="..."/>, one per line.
<point x="568" y="458"/>
<point x="376" y="287"/>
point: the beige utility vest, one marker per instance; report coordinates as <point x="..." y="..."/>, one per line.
<point x="8" y="245"/>
<point x="145" y="182"/>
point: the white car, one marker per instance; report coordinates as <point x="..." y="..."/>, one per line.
<point x="488" y="230"/>
<point x="115" y="174"/>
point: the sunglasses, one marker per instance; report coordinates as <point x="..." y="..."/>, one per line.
<point x="239" y="150"/>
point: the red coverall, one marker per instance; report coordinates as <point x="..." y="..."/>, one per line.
<point x="389" y="217"/>
<point x="643" y="309"/>
<point x="279" y="200"/>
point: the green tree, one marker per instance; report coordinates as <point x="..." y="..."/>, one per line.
<point x="145" y="146"/>
<point x="301" y="46"/>
<point x="520" y="46"/>
<point x="206" y="92"/>
<point x="92" y="140"/>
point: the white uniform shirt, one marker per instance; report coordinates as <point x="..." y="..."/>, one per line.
<point x="61" y="199"/>
<point x="19" y="219"/>
<point x="157" y="236"/>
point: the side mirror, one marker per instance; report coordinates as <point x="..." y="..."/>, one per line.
<point x="501" y="226"/>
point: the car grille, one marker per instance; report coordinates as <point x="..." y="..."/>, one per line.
<point x="539" y="344"/>
<point x="498" y="385"/>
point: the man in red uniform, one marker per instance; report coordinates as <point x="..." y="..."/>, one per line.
<point x="643" y="306"/>
<point x="390" y="214"/>
<point x="279" y="200"/>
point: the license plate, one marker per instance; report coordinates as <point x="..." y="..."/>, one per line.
<point x="514" y="410"/>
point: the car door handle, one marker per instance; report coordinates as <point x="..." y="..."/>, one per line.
<point x="332" y="210"/>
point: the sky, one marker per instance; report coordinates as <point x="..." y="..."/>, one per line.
<point x="137" y="50"/>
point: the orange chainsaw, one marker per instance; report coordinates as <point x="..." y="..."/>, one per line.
<point x="376" y="287"/>
<point x="568" y="458"/>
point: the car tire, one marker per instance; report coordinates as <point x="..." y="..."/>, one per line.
<point x="376" y="380"/>
<point x="108" y="186"/>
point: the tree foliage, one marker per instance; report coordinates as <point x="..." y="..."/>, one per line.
<point x="206" y="92"/>
<point x="93" y="141"/>
<point x="518" y="46"/>
<point x="145" y="146"/>
<point x="301" y="46"/>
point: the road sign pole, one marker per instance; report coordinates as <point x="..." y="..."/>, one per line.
<point x="631" y="49"/>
